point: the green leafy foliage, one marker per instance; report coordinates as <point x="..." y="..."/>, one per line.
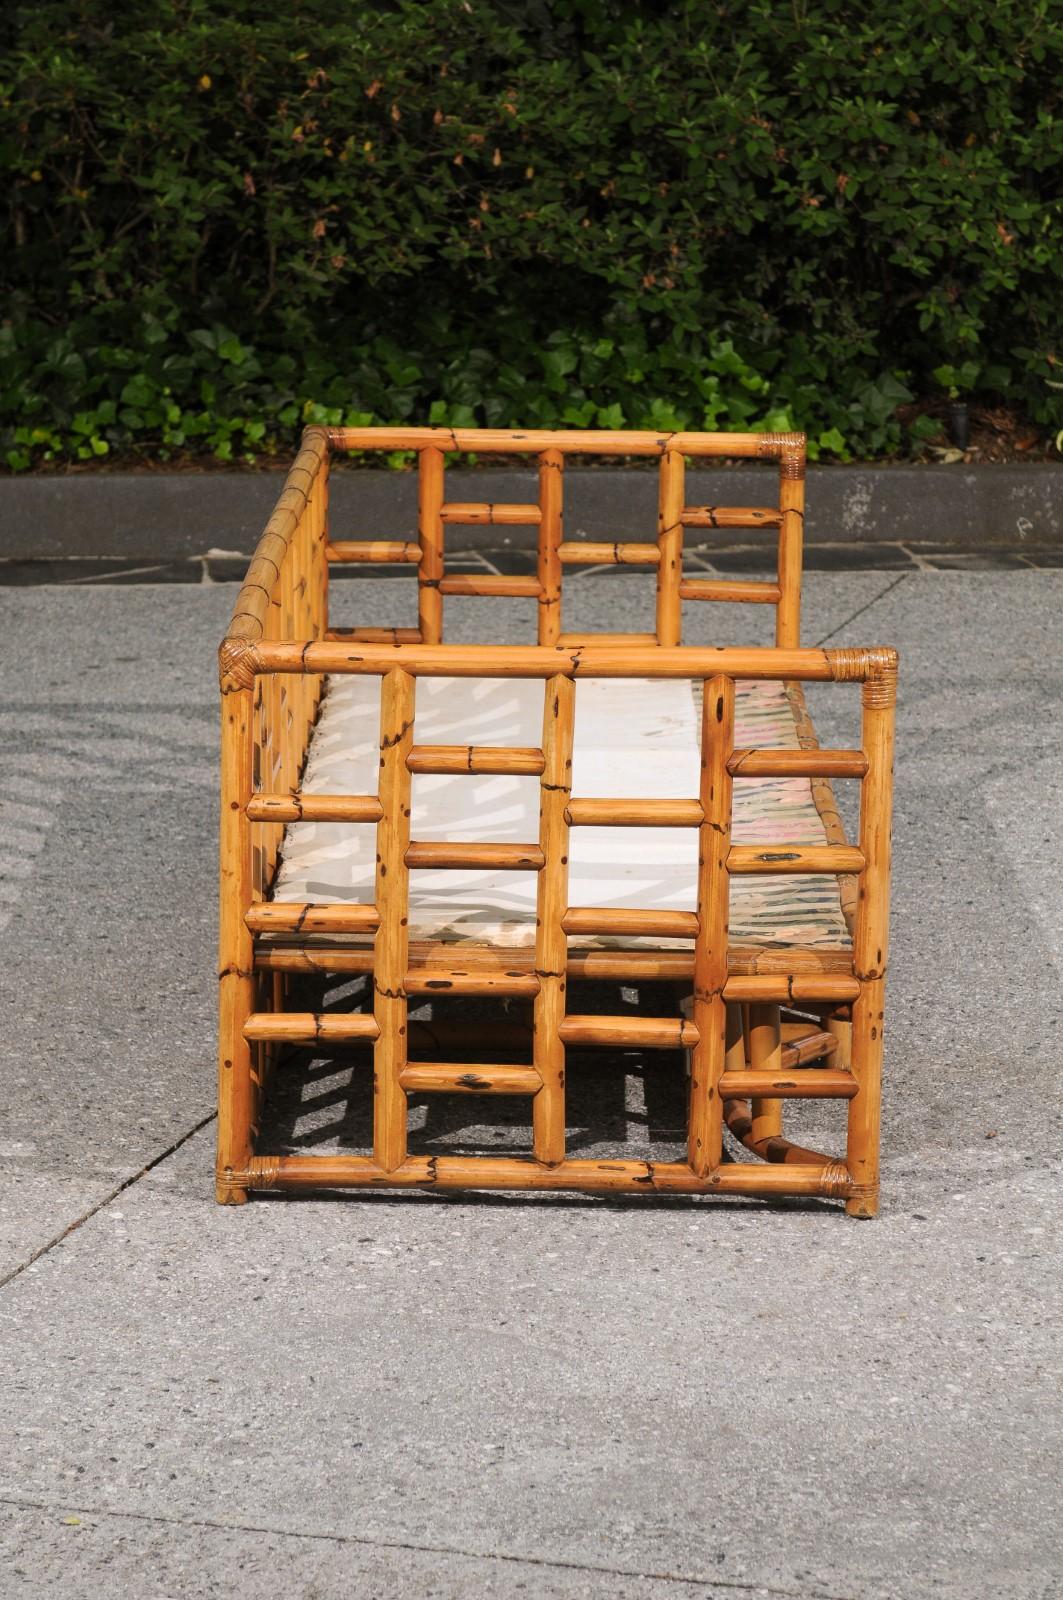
<point x="226" y="219"/>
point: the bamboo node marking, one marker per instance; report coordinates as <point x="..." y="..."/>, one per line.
<point x="237" y="664"/>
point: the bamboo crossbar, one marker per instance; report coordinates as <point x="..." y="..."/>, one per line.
<point x="386" y="551"/>
<point x="750" y="1050"/>
<point x="479" y="514"/>
<point x="818" y="1177"/>
<point x="634" y="813"/>
<point x="764" y="594"/>
<point x="491" y="857"/>
<point x="428" y="1077"/>
<point x="780" y="858"/>
<point x="308" y="1027"/>
<point x="571" y="661"/>
<point x="445" y="758"/>
<point x="282" y="916"/>
<point x="807" y="1083"/>
<point x="515" y="588"/>
<point x="313" y="808"/>
<point x="591" y="553"/>
<point x="731" y="517"/>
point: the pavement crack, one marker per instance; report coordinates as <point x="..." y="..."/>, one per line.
<point x="112" y="1194"/>
<point x="548" y="1563"/>
<point x="861" y="609"/>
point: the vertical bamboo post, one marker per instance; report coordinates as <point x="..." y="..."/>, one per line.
<point x="551" y="480"/>
<point x="430" y="537"/>
<point x="871" y="938"/>
<point x="551" y="945"/>
<point x="236" y="1089"/>
<point x="705" y="1122"/>
<point x="391" y="948"/>
<point x="671" y="490"/>
<point x="317" y="567"/>
<point x="838" y="1023"/>
<point x="765" y="1055"/>
<point x="791" y="538"/>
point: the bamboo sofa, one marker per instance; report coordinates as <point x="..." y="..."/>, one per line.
<point x="412" y="744"/>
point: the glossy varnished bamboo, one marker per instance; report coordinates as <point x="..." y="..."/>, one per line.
<point x="235" y="950"/>
<point x="430" y="539"/>
<point x="670" y="544"/>
<point x="705" y="1121"/>
<point x="871" y="941"/>
<point x="391" y="952"/>
<point x="551" y="536"/>
<point x="551" y="945"/>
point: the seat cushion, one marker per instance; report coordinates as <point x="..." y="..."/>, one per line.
<point x="634" y="739"/>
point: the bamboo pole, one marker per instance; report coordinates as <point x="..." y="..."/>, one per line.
<point x="551" y="509"/>
<point x="388" y="636"/>
<point x="619" y="921"/>
<point x="798" y="764"/>
<point x="492" y="857"/>
<point x="792" y="506"/>
<point x="513" y="760"/>
<point x="430" y="539"/>
<point x="750" y="594"/>
<point x="391" y="952"/>
<point x="384" y="551"/>
<point x="479" y="514"/>
<point x="871" y="940"/>
<point x="551" y="948"/>
<point x="765" y="1060"/>
<point x="670" y="543"/>
<point x="731" y="516"/>
<point x="235" y="950"/>
<point x="629" y="1032"/>
<point x="633" y="642"/>
<point x="301" y="807"/>
<point x="819" y="1177"/>
<point x="430" y="1077"/>
<point x="309" y="1027"/>
<point x="303" y="917"/>
<point x="597" y="660"/>
<point x="492" y="584"/>
<point x="592" y="442"/>
<point x="755" y="859"/>
<point x="634" y="813"/>
<point x="809" y="1083"/>
<point x="593" y="553"/>
<point x="705" y="1124"/>
<point x="508" y="984"/>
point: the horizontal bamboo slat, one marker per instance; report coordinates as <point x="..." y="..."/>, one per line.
<point x="386" y="551"/>
<point x="602" y="657"/>
<point x="634" y="813"/>
<point x="797" y="763"/>
<point x="280" y="916"/>
<point x="791" y="988"/>
<point x="314" y="808"/>
<point x="379" y="636"/>
<point x="474" y="513"/>
<point x="491" y="584"/>
<point x="731" y="517"/>
<point x="431" y="1077"/>
<point x="451" y="982"/>
<point x="629" y="1032"/>
<point x="505" y="441"/>
<point x="807" y="1083"/>
<point x="594" y="553"/>
<point x="628" y="920"/>
<point x="822" y="1177"/>
<point x="752" y="859"/>
<point x="491" y="857"/>
<point x="752" y="594"/>
<point x="309" y="1027"/>
<point x="514" y="760"/>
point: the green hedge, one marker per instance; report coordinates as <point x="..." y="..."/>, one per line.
<point x="227" y="218"/>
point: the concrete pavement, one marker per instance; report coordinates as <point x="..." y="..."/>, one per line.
<point x="496" y="1395"/>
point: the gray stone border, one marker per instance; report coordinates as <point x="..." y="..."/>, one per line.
<point x="166" y="516"/>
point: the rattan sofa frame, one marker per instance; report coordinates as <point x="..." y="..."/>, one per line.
<point x="745" y="1058"/>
